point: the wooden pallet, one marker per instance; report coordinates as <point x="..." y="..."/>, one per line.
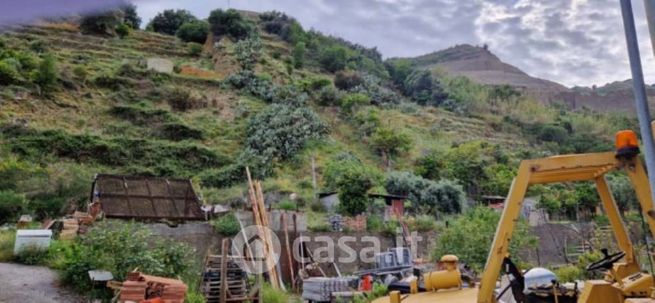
<point x="224" y="281"/>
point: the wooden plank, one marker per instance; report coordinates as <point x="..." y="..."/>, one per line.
<point x="223" y="270"/>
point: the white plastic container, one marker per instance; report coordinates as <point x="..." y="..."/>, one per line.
<point x="39" y="238"/>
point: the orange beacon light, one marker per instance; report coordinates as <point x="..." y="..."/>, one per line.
<point x="627" y="145"/>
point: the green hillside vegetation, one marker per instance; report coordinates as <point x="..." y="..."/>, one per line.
<point x="263" y="93"/>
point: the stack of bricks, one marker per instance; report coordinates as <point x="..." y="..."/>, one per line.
<point x="357" y="223"/>
<point x="152" y="287"/>
<point x="133" y="291"/>
<point x="71" y="227"/>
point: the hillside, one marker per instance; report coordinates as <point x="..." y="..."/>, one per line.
<point x="151" y="104"/>
<point x="482" y="66"/>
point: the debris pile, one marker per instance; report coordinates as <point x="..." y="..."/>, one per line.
<point x="139" y="287"/>
<point x="320" y="289"/>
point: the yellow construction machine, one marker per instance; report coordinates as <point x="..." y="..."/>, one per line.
<point x="624" y="281"/>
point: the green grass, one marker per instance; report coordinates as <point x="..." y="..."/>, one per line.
<point x="7" y="239"/>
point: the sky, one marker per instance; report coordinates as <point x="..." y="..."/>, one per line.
<point x="573" y="42"/>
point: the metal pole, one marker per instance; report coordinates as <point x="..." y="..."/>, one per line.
<point x="649" y="5"/>
<point x="639" y="88"/>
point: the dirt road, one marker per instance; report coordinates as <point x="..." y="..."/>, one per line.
<point x="35" y="284"/>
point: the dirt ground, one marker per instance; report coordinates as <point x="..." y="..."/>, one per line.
<point x="35" y="284"/>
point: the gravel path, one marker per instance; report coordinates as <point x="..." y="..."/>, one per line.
<point x="34" y="284"/>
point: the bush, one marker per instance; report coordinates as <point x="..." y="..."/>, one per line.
<point x="445" y="196"/>
<point x="46" y="75"/>
<point x="298" y="54"/>
<point x="374" y="224"/>
<point x="169" y="21"/>
<point x="32" y="255"/>
<point x="230" y="23"/>
<point x="248" y="51"/>
<point x="350" y="102"/>
<point x="347" y="80"/>
<point x="178" y="132"/>
<point x="287" y="205"/>
<point x="195" y="49"/>
<point x="179" y="99"/>
<point x="120" y="248"/>
<point x="195" y="31"/>
<point x="227" y="225"/>
<point x="123" y="30"/>
<point x="7" y="241"/>
<point x="406" y="184"/>
<point x="8" y="73"/>
<point x="328" y="96"/>
<point x="333" y="59"/>
<point x="280" y="131"/>
<point x="569" y="273"/>
<point x="423" y="89"/>
<point x="101" y="23"/>
<point x="390" y="142"/>
<point x="271" y="295"/>
<point x="470" y="235"/>
<point x="12" y="205"/>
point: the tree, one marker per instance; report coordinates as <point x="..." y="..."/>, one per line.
<point x="445" y="196"/>
<point x="424" y="89"/>
<point x="123" y="30"/>
<point x="406" y="184"/>
<point x="333" y="58"/>
<point x="470" y="235"/>
<point x="348" y="79"/>
<point x="11" y="205"/>
<point x="498" y="179"/>
<point x="298" y="54"/>
<point x="248" y="52"/>
<point x="399" y="70"/>
<point x="169" y="21"/>
<point x="229" y="23"/>
<point x="352" y="179"/>
<point x="131" y="18"/>
<point x="280" y="131"/>
<point x="623" y="192"/>
<point x="431" y="165"/>
<point x="195" y="31"/>
<point x="101" y="23"/>
<point x="390" y="142"/>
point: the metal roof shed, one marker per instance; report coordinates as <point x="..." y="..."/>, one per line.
<point x="136" y="197"/>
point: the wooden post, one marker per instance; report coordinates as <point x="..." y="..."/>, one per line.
<point x="288" y="248"/>
<point x="224" y="270"/>
<point x="314" y="186"/>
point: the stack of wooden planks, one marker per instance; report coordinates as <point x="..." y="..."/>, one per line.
<point x="235" y="280"/>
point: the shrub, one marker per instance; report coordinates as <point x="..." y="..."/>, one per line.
<point x="32" y="255"/>
<point x="430" y="165"/>
<point x="298" y="54"/>
<point x="46" y="75"/>
<point x="333" y="58"/>
<point x="101" y="23"/>
<point x="425" y="223"/>
<point x="569" y="273"/>
<point x="423" y="89"/>
<point x="347" y="80"/>
<point x="374" y="224"/>
<point x="248" y="51"/>
<point x="38" y="46"/>
<point x="179" y="99"/>
<point x="230" y="23"/>
<point x="470" y="236"/>
<point x="272" y="295"/>
<point x="390" y="142"/>
<point x="7" y="241"/>
<point x="195" y="49"/>
<point x="195" y="31"/>
<point x="227" y="225"/>
<point x="80" y="73"/>
<point x="8" y="73"/>
<point x="11" y="206"/>
<point x="328" y="96"/>
<point x="120" y="248"/>
<point x="350" y="102"/>
<point x="280" y="131"/>
<point x="445" y="196"/>
<point x="177" y="132"/>
<point x="406" y="184"/>
<point x="169" y="21"/>
<point x="287" y="205"/>
<point x="123" y="30"/>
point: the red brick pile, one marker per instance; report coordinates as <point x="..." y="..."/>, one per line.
<point x="139" y="288"/>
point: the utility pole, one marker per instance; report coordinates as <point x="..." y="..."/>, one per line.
<point x="641" y="102"/>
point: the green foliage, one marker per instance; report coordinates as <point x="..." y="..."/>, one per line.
<point x="8" y="73"/>
<point x="379" y="290"/>
<point x="406" y="184"/>
<point x="328" y="96"/>
<point x="399" y="70"/>
<point x="424" y="89"/>
<point x="350" y="102"/>
<point x="499" y="179"/>
<point x="149" y="157"/>
<point x="7" y="241"/>
<point x="425" y="223"/>
<point x="374" y="223"/>
<point x="169" y="21"/>
<point x="120" y="248"/>
<point x="130" y="16"/>
<point x="298" y="54"/>
<point x="347" y="80"/>
<point x="390" y="142"/>
<point x="569" y="273"/>
<point x="280" y="131"/>
<point x="431" y="165"/>
<point x="227" y="225"/>
<point x="194" y="31"/>
<point x="101" y="23"/>
<point x="46" y="74"/>
<point x="352" y="179"/>
<point x="123" y="30"/>
<point x="444" y="196"/>
<point x="333" y="58"/>
<point x="248" y="51"/>
<point x="269" y="294"/>
<point x="623" y="192"/>
<point x="280" y="24"/>
<point x="195" y="49"/>
<point x="469" y="236"/>
<point x="287" y="205"/>
<point x="11" y="206"/>
<point x="32" y="255"/>
<point x="229" y="23"/>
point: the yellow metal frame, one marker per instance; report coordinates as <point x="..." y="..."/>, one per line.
<point x="567" y="168"/>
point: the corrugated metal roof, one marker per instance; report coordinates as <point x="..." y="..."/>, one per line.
<point x="133" y="197"/>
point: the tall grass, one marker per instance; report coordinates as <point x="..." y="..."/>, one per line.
<point x="7" y="239"/>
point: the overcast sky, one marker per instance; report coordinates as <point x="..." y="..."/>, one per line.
<point x="573" y="42"/>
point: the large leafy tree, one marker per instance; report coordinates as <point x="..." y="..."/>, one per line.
<point x="194" y="31"/>
<point x="229" y="23"/>
<point x="352" y="179"/>
<point x="169" y="21"/>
